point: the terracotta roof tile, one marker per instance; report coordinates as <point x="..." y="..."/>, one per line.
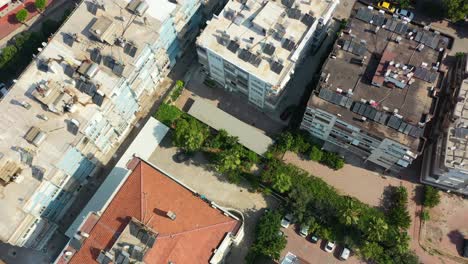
<point x="148" y="195"/>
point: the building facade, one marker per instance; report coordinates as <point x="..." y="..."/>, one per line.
<point x="78" y="100"/>
<point x="444" y="162"/>
<point x="254" y="47"/>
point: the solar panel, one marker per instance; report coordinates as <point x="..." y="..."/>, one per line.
<point x="276" y="67"/>
<point x="378" y="19"/>
<point x="402" y="127"/>
<point x="287" y="3"/>
<point x="288" y="44"/>
<point x="391" y="24"/>
<point x="269" y="49"/>
<point x="98" y="99"/>
<point x="418" y="36"/>
<point x="355" y="107"/>
<point x="394" y="122"/>
<point x="415" y="132"/>
<point x="364" y="14"/>
<point x="151" y="241"/>
<point x="377" y="116"/>
<point x="118" y="69"/>
<point x="425" y="74"/>
<point x="233" y="46"/>
<point x="362" y="109"/>
<point x="245" y="55"/>
<point x="86" y="87"/>
<point x="401" y="28"/>
<point x="96" y="56"/>
<point x="308" y="20"/>
<point x="255" y="60"/>
<point x="294" y="13"/>
<point x="383" y="118"/>
<point x="367" y="111"/>
<point x="130" y="49"/>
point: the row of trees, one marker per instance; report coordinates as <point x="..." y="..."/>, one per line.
<point x="301" y="142"/>
<point x="377" y="236"/>
<point x="18" y="53"/>
<point x="22" y="14"/>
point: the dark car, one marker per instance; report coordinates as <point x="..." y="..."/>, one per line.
<point x="287" y="112"/>
<point x="314" y="238"/>
<point x="465" y="248"/>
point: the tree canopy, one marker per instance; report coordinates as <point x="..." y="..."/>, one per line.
<point x="22" y="15"/>
<point x="457" y="10"/>
<point x="431" y="196"/>
<point x="40" y="4"/>
<point x="268" y="239"/>
<point x="189" y="134"/>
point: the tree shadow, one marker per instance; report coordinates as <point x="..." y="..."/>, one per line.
<point x="12" y="19"/>
<point x="456" y="237"/>
<point x="31" y="8"/>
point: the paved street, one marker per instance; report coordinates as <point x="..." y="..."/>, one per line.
<point x="215" y="187"/>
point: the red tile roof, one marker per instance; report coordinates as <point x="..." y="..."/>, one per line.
<point x="148" y="195"/>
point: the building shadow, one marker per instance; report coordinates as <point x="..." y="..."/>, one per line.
<point x="456" y="238"/>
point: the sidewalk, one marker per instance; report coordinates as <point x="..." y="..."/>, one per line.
<point x="9" y="26"/>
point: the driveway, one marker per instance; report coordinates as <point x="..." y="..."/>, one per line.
<point x="215" y="187"/>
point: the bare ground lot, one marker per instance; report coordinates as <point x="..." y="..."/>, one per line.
<point x="448" y="226"/>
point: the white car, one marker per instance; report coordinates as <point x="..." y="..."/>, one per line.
<point x="286" y="221"/>
<point x="345" y="254"/>
<point x="304" y="231"/>
<point x="330" y="246"/>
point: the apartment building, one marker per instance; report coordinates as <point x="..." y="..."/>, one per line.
<point x="378" y="89"/>
<point x="445" y="161"/>
<point x="253" y="46"/>
<point x="76" y="102"/>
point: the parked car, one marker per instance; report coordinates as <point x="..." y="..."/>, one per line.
<point x="465" y="248"/>
<point x="314" y="238"/>
<point x="287" y="112"/>
<point x="304" y="231"/>
<point x="386" y="6"/>
<point x="330" y="246"/>
<point x="286" y="221"/>
<point x="405" y="14"/>
<point x="345" y="254"/>
<point x="3" y="90"/>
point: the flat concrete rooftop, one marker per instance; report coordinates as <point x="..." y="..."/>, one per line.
<point x="262" y="37"/>
<point x="363" y="55"/>
<point x="456" y="147"/>
<point x="58" y="63"/>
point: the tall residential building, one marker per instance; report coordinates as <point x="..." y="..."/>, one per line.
<point x="445" y="163"/>
<point x="254" y="46"/>
<point x="378" y="89"/>
<point x="75" y="103"/>
<point x="153" y="218"/>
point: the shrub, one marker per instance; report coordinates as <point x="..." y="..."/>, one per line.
<point x="332" y="160"/>
<point x="40" y="4"/>
<point x="316" y="154"/>
<point x="431" y="196"/>
<point x="179" y="86"/>
<point x="425" y="216"/>
<point x="167" y="114"/>
<point x="22" y="15"/>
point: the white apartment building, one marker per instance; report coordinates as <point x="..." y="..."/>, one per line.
<point x="445" y="163"/>
<point x="254" y="46"/>
<point x="76" y="102"/>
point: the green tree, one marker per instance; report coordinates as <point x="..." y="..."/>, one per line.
<point x="284" y="142"/>
<point x="268" y="240"/>
<point x="22" y="15"/>
<point x="398" y="214"/>
<point x="167" y="114"/>
<point x="425" y="216"/>
<point x="397" y="240"/>
<point x="230" y="159"/>
<point x="222" y="140"/>
<point x="457" y="10"/>
<point x="376" y="229"/>
<point x="190" y="134"/>
<point x="7" y="54"/>
<point x="40" y="5"/>
<point x="371" y="251"/>
<point x="350" y="213"/>
<point x="431" y="196"/>
<point x="281" y="182"/>
<point x="405" y="4"/>
<point x="316" y="154"/>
